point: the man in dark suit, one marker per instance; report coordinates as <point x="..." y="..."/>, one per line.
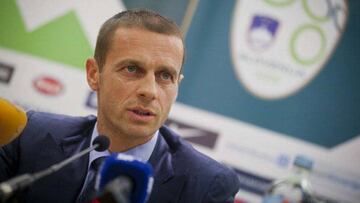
<point x="136" y="72"/>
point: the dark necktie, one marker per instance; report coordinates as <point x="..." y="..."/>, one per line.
<point x="88" y="191"/>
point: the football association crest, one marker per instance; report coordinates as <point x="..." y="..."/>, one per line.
<point x="262" y="32"/>
<point x="280" y="46"/>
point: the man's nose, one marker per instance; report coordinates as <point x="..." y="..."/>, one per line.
<point x="147" y="89"/>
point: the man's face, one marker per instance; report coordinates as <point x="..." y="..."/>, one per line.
<point x="138" y="83"/>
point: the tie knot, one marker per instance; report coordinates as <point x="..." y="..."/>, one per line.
<point x="88" y="191"/>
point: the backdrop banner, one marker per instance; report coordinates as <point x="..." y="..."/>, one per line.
<point x="265" y="80"/>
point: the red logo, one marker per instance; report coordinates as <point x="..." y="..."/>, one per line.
<point x="48" y="85"/>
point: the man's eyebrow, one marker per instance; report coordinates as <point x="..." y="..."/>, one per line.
<point x="127" y="61"/>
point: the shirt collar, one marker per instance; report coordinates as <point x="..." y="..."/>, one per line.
<point x="142" y="152"/>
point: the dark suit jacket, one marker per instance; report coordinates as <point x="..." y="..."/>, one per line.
<point x="182" y="174"/>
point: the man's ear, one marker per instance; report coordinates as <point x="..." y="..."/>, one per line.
<point x="92" y="74"/>
<point x="181" y="77"/>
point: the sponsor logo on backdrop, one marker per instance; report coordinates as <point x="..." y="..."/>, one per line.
<point x="281" y="160"/>
<point x="6" y="72"/>
<point x="193" y="134"/>
<point x="48" y="85"/>
<point x="91" y="100"/>
<point x="274" y="61"/>
<point x="262" y="32"/>
<point x="253" y="183"/>
<point x="349" y="183"/>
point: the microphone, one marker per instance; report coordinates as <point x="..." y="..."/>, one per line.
<point x="123" y="178"/>
<point x="12" y="121"/>
<point x="8" y="188"/>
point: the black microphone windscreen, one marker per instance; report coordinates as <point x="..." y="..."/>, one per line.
<point x="103" y="143"/>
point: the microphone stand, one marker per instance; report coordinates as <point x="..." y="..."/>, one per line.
<point x="19" y="183"/>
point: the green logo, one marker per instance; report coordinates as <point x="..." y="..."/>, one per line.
<point x="318" y="55"/>
<point x="61" y="40"/>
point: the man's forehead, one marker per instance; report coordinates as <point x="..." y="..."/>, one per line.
<point x="125" y="34"/>
<point x="136" y="29"/>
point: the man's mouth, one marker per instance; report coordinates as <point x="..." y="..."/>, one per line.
<point x="142" y="112"/>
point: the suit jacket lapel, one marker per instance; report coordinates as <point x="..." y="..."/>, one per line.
<point x="167" y="183"/>
<point x="55" y="147"/>
<point x="70" y="145"/>
<point x="73" y="144"/>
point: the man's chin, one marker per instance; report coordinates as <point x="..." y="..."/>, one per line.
<point x="142" y="133"/>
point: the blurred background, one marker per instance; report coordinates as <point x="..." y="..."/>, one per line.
<point x="265" y="80"/>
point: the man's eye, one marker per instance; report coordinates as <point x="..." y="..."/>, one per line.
<point x="165" y="76"/>
<point x="131" y="69"/>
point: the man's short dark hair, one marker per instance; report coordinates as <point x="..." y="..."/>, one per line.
<point x="143" y="19"/>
